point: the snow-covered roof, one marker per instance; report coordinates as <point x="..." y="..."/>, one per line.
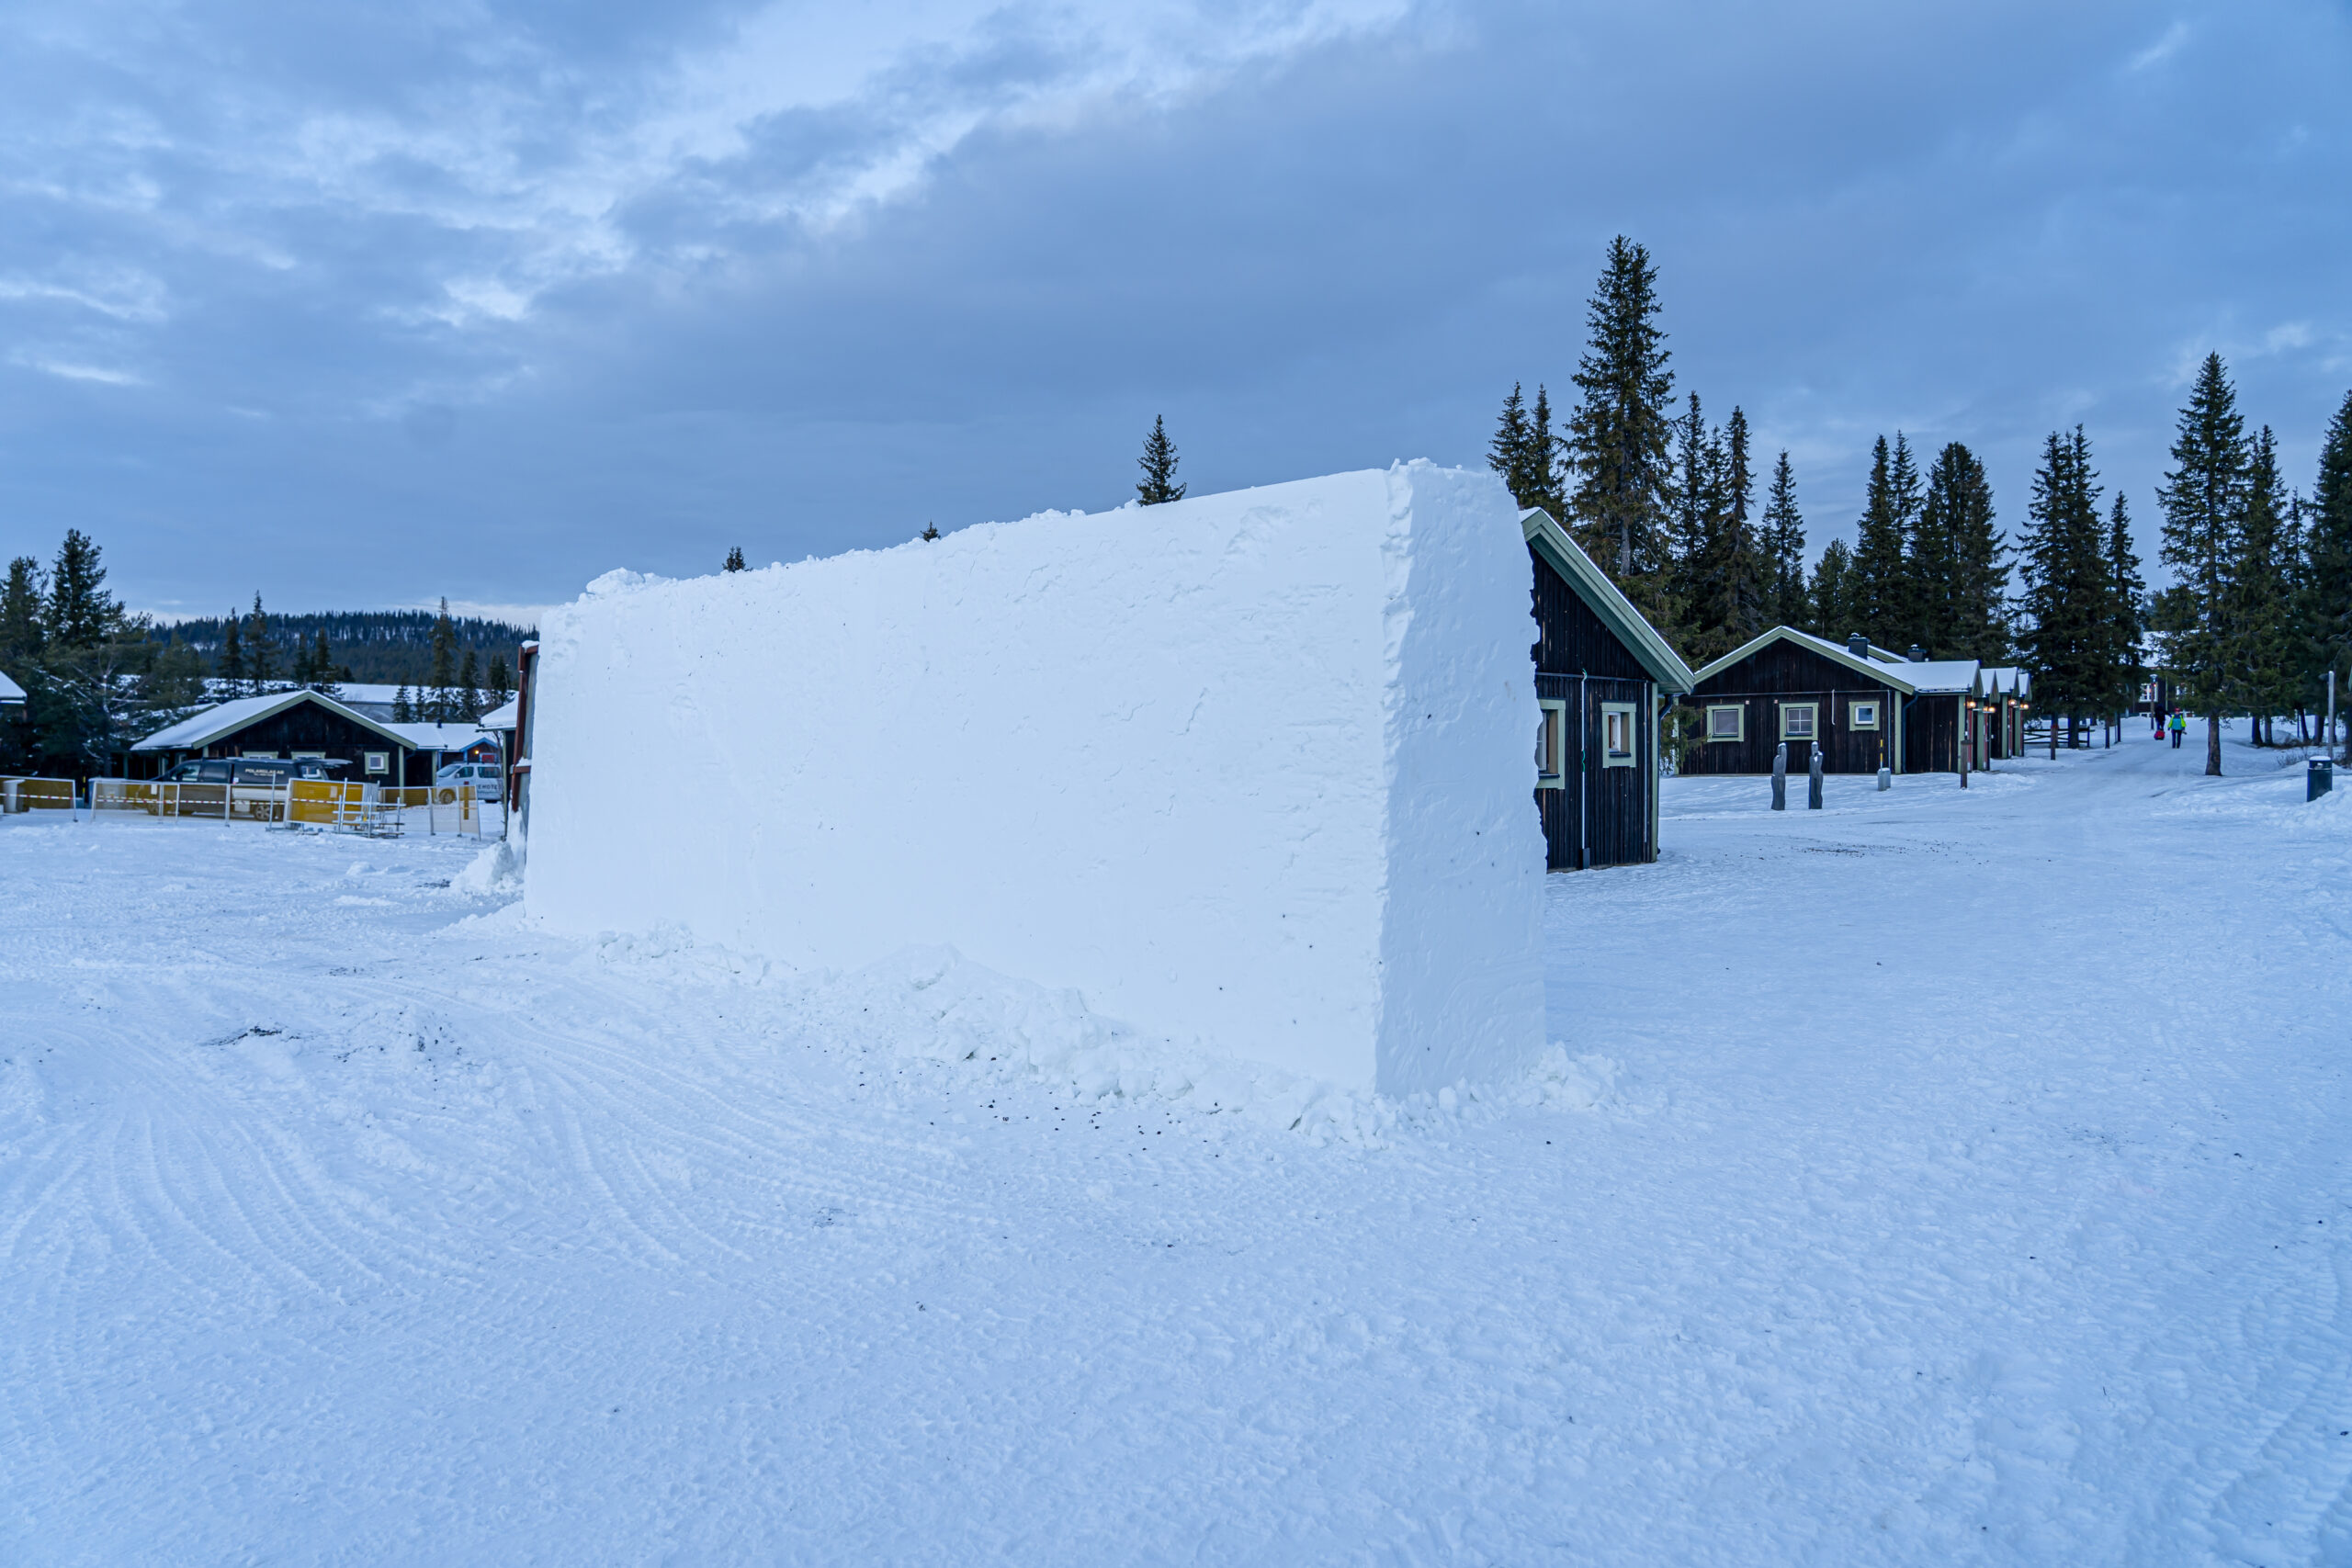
<point x="1940" y="676"/>
<point x="1603" y="597"/>
<point x="439" y="736"/>
<point x="2005" y="679"/>
<point x="507" y="717"/>
<point x="204" y="727"/>
<point x="10" y="691"/>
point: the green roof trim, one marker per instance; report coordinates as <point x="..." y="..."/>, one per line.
<point x="1653" y="652"/>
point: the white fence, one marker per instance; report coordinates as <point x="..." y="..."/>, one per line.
<point x="379" y="810"/>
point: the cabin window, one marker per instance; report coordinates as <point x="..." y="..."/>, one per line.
<point x="1796" y="720"/>
<point x="1551" y="743"/>
<point x="1861" y="716"/>
<point x="1617" y="735"/>
<point x="1727" y="722"/>
<point x="380" y="761"/>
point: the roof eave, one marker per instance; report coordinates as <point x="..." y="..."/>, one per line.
<point x="1604" y="598"/>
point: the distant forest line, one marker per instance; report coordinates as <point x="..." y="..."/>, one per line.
<point x="387" y="648"/>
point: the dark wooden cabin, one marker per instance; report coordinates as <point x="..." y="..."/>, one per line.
<point x="1599" y="670"/>
<point x="1863" y="707"/>
<point x="290" y="725"/>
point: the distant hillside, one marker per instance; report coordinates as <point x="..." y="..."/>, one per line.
<point x="383" y="646"/>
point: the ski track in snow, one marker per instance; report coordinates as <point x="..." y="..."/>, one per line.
<point x="1973" y="1190"/>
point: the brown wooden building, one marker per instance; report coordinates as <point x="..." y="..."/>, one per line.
<point x="1864" y="707"/>
<point x="291" y="725"/>
<point x="1600" y="669"/>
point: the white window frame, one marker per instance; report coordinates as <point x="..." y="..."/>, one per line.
<point x="1854" y="720"/>
<point x="377" y="761"/>
<point x="1629" y="711"/>
<point x="1812" y="723"/>
<point x="1554" y="729"/>
<point x="1738" y="712"/>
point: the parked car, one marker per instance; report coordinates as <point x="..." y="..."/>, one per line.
<point x="253" y="782"/>
<point x="488" y="779"/>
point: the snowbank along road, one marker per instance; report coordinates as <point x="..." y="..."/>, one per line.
<point x="1965" y="1183"/>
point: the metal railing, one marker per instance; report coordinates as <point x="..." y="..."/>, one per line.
<point x="379" y="810"/>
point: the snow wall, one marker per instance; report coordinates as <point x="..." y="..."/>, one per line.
<point x="1253" y="773"/>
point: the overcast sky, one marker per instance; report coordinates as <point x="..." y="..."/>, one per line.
<point x="362" y="304"/>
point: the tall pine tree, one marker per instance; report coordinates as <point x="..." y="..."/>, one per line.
<point x="2066" y="635"/>
<point x="1525" y="452"/>
<point x="2127" y="611"/>
<point x="261" y="653"/>
<point x="232" y="665"/>
<point x="2204" y="501"/>
<point x="2265" y="657"/>
<point x="1882" y="596"/>
<point x="1959" y="572"/>
<point x="1784" y="549"/>
<point x="1158" y="465"/>
<point x="81" y="613"/>
<point x="442" y="674"/>
<point x="1619" y="433"/>
<point x="21" y="631"/>
<point x="1831" y="612"/>
<point x="2328" y="560"/>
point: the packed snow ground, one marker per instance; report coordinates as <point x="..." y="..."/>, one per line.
<point x="1966" y="1183"/>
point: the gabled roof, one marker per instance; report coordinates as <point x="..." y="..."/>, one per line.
<point x="1653" y="652"/>
<point x="440" y="737"/>
<point x="1890" y="671"/>
<point x="505" y="718"/>
<point x="201" y="728"/>
<point x="1942" y="676"/>
<point x="10" y="691"/>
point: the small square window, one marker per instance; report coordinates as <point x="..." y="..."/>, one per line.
<point x="1617" y="735"/>
<point x="1727" y="722"/>
<point x="380" y="761"/>
<point x="1861" y="716"/>
<point x="1551" y="743"/>
<point x="1796" y="720"/>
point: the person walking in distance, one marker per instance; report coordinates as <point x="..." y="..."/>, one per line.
<point x="2179" y="728"/>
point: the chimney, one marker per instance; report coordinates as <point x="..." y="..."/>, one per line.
<point x="1858" y="645"/>
<point x="1918" y="654"/>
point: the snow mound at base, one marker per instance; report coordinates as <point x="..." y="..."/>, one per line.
<point x="498" y="869"/>
<point x="932" y="1004"/>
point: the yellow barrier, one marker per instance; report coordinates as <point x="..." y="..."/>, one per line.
<point x="36" y="795"/>
<point x="327" y="803"/>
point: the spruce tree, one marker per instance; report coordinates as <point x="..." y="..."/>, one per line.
<point x="468" y="689"/>
<point x="1882" y="593"/>
<point x="322" y="664"/>
<point x="1695" y="503"/>
<point x="81" y="614"/>
<point x="261" y="653"/>
<point x="1959" y="573"/>
<point x="1784" y="549"/>
<point x="232" y="667"/>
<point x="1511" y="453"/>
<point x="2204" y="501"/>
<point x="735" y="559"/>
<point x="1619" y="433"/>
<point x="442" y="674"/>
<point x="2327" y="561"/>
<point x="1833" y="614"/>
<point x="403" y="711"/>
<point x="2066" y="634"/>
<point x="1159" y="466"/>
<point x="502" y="682"/>
<point x="2261" y="625"/>
<point x="930" y="532"/>
<point x="1543" y="456"/>
<point x="2127" y="611"/>
<point x="21" y="631"/>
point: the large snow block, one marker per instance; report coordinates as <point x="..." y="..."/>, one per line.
<point x="1253" y="773"/>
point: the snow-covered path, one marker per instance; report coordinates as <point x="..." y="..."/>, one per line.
<point x="1971" y="1192"/>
